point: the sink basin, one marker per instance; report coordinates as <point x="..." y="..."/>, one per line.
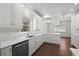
<point x="30" y="36"/>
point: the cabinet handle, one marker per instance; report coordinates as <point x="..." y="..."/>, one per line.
<point x="10" y="49"/>
<point x="21" y="44"/>
<point x="10" y="52"/>
<point x="18" y="45"/>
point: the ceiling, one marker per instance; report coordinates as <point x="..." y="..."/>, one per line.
<point x="54" y="8"/>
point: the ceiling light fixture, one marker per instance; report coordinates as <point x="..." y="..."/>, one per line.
<point x="75" y="3"/>
<point x="61" y="16"/>
<point x="44" y="10"/>
<point x="46" y="16"/>
<point x="71" y="9"/>
<point x="22" y="5"/>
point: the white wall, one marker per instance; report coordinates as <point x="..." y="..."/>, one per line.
<point x="75" y="30"/>
<point x="75" y="23"/>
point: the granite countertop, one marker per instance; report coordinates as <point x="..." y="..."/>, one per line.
<point x="11" y="39"/>
<point x="16" y="38"/>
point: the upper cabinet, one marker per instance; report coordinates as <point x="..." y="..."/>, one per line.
<point x="5" y="14"/>
<point x="11" y="15"/>
<point x="37" y="23"/>
<point x="19" y="16"/>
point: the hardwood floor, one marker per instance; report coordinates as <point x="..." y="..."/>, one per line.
<point x="48" y="49"/>
<point x="65" y="44"/>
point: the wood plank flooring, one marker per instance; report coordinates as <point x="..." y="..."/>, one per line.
<point x="48" y="49"/>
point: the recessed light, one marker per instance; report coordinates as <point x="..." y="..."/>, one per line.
<point x="71" y="9"/>
<point x="22" y="5"/>
<point x="29" y="5"/>
<point x="47" y="16"/>
<point x="61" y="16"/>
<point x="75" y="3"/>
<point x="44" y="10"/>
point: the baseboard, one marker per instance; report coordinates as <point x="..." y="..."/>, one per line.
<point x="65" y="37"/>
<point x="37" y="49"/>
<point x="73" y="46"/>
<point x="51" y="43"/>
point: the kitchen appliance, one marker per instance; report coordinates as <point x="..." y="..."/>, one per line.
<point x="20" y="49"/>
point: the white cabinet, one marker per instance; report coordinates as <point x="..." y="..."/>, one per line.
<point x="37" y="23"/>
<point x="31" y="46"/>
<point x="5" y="14"/>
<point x="18" y="15"/>
<point x="52" y="38"/>
<point x="75" y="30"/>
<point x="11" y="15"/>
<point x="48" y="27"/>
<point x="75" y="41"/>
<point x="38" y="41"/>
<point x="34" y="44"/>
<point x="44" y="37"/>
<point x="6" y="51"/>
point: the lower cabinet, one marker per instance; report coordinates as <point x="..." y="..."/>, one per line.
<point x="31" y="46"/>
<point x="6" y="51"/>
<point x="35" y="43"/>
<point x="75" y="41"/>
<point x="19" y="49"/>
<point x="52" y="38"/>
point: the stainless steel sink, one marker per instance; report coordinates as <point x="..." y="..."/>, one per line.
<point x="30" y="36"/>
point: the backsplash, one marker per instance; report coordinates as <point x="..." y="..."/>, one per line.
<point x="8" y="29"/>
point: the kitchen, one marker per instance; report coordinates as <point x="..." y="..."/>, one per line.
<point x="24" y="29"/>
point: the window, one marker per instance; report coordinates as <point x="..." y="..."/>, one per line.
<point x="26" y="24"/>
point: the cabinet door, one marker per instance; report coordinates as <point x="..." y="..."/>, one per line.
<point x="49" y="38"/>
<point x="43" y="37"/>
<point x="34" y="44"/>
<point x="53" y="38"/>
<point x="18" y="15"/>
<point x="5" y="14"/>
<point x="40" y="41"/>
<point x="46" y="37"/>
<point x="31" y="46"/>
<point x="37" y="42"/>
<point x="75" y="41"/>
<point x="6" y="51"/>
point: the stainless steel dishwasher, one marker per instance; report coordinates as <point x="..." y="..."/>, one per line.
<point x="20" y="49"/>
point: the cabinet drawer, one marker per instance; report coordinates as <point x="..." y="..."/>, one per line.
<point x="6" y="51"/>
